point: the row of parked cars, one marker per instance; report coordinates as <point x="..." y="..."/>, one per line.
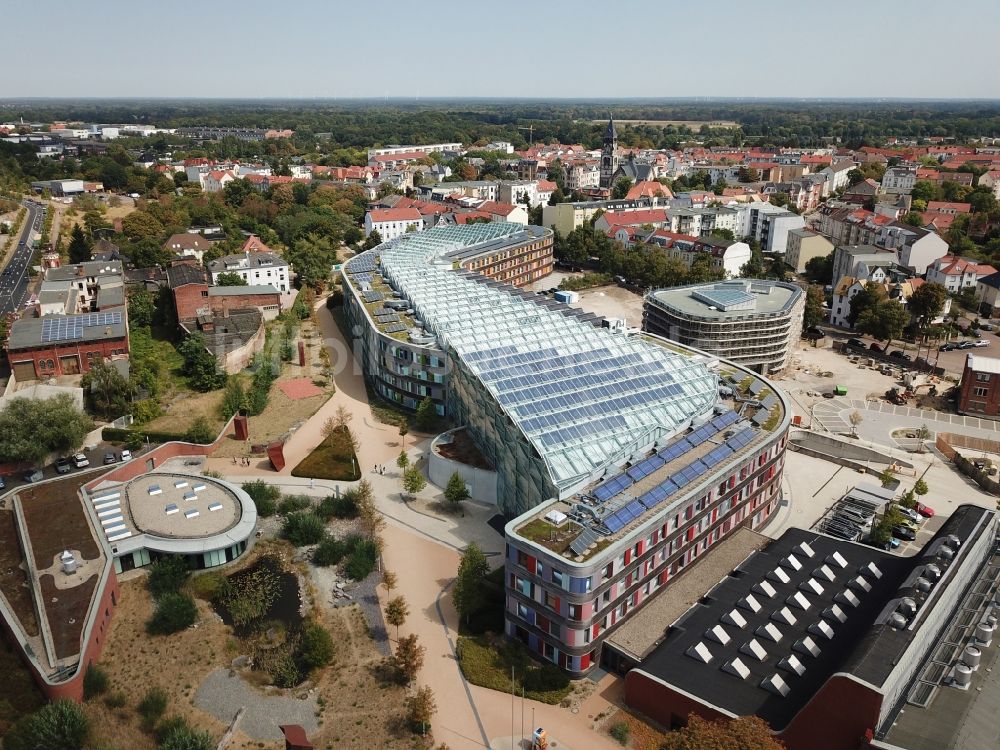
<point x="951" y="345"/>
<point x="66" y="464"/>
<point x="852" y="520"/>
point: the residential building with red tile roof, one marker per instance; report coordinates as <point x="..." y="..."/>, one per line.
<point x="946" y="207"/>
<point x="955" y="274"/>
<point x="654" y="216"/>
<point x="649" y="189"/>
<point x="391" y="223"/>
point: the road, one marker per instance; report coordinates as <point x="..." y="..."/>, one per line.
<point x="14" y="278"/>
<point x="952" y="361"/>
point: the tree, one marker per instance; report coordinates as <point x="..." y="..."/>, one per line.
<point x="316" y="647"/>
<point x="854" y="176"/>
<point x="230" y="278"/>
<point x="856" y="419"/>
<point x="866" y="298"/>
<point x="819" y="270"/>
<point x="79" y="247"/>
<point x="420" y="708"/>
<point x="924" y="191"/>
<point x="341" y="418"/>
<point x="389" y="580"/>
<point x="409" y="656"/>
<point x="108" y="390"/>
<point x="180" y="736"/>
<point x="30" y="429"/>
<point x="166" y="575"/>
<point x="372" y="240"/>
<point x="201" y="432"/>
<point x="753" y="268"/>
<point x="370" y="518"/>
<point x="141" y="309"/>
<point x="468" y="594"/>
<point x="396" y="612"/>
<point x="426" y="416"/>
<point x="920" y="487"/>
<point x="621" y="187"/>
<point x="413" y="481"/>
<point x="885" y="321"/>
<point x="174" y="611"/>
<point x="303" y="528"/>
<point x="235" y="397"/>
<point x="200" y="365"/>
<point x="744" y="733"/>
<point x="61" y="725"/>
<point x="402" y="460"/>
<point x="140" y="225"/>
<point x="913" y="219"/>
<point x="926" y="303"/>
<point x="887" y="477"/>
<point x="814" y="305"/>
<point x="456" y="491"/>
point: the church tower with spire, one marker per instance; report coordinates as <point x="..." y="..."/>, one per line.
<point x="609" y="154"/>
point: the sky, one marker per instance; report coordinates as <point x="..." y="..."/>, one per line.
<point x="543" y="49"/>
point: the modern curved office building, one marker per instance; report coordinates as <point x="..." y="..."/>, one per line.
<point x="752" y="322"/>
<point x="550" y="396"/>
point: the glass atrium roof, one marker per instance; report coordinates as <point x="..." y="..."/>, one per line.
<point x="585" y="397"/>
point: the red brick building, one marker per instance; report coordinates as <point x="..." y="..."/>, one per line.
<point x="65" y="344"/>
<point x="979" y="391"/>
<point x="194" y="297"/>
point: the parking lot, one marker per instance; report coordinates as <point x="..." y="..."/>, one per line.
<point x="95" y="456"/>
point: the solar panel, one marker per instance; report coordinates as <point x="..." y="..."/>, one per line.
<point x="395" y="328"/>
<point x="741" y="439"/>
<point x="723" y="421"/>
<point x="717" y="454"/>
<point x="374" y="296"/>
<point x="612" y="487"/>
<point x="672" y="451"/>
<point x="613" y="524"/>
<point x="645" y="467"/>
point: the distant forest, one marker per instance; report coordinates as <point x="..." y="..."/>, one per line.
<point x="359" y="124"/>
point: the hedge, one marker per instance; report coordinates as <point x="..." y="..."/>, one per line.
<point x="489" y="665"/>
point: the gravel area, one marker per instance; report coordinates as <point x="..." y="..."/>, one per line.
<point x="328" y="581"/>
<point x="222" y="693"/>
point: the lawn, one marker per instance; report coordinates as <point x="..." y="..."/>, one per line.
<point x="544" y="533"/>
<point x="487" y="662"/>
<point x="334" y="458"/>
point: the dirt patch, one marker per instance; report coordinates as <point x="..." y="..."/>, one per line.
<point x="183" y="408"/>
<point x="13" y="578"/>
<point x="66" y="611"/>
<point x="299" y="388"/>
<point x="19" y="695"/>
<point x="45" y="502"/>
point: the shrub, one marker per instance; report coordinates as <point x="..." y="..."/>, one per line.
<point x="264" y="496"/>
<point x="303" y="528"/>
<point x="329" y="552"/>
<point x="292" y="503"/>
<point x="146" y="410"/>
<point x="95" y="682"/>
<point x="152" y="706"/>
<point x="174" y="611"/>
<point x="620" y="732"/>
<point x="167" y="575"/>
<point x="345" y="506"/>
<point x="207" y="585"/>
<point x="316" y="646"/>
<point x="201" y="432"/>
<point x="489" y="666"/>
<point x="61" y="725"/>
<point x="362" y="559"/>
<point x="234" y="399"/>
<point x="116" y="699"/>
<point x="176" y="734"/>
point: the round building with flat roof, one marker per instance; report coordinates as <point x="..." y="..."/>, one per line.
<point x="207" y="520"/>
<point x="752" y="322"/>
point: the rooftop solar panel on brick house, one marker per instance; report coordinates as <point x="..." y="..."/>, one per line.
<point x="70" y="327"/>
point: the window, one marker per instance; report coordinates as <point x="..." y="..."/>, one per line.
<point x="576" y="612"/>
<point x="981" y="391"/>
<point x="983" y="377"/>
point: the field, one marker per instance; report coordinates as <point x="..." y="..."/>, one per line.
<point x="352" y="696"/>
<point x="693" y="124"/>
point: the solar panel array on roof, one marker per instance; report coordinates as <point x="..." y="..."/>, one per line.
<point x="65" y="328"/>
<point x="387" y="318"/>
<point x="584" y="541"/>
<point x="363" y="278"/>
<point x="395" y="328"/>
<point x="373" y="296"/>
<point x="645" y="467"/>
<point x="612" y="487"/>
<point x="364" y="263"/>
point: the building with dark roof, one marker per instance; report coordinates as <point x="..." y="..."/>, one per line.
<point x="826" y="640"/>
<point x="65" y="344"/>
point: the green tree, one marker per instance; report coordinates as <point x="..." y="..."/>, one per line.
<point x="174" y="611"/>
<point x="107" y="389"/>
<point x="316" y="647"/>
<point x="152" y="706"/>
<point x="920" y="487"/>
<point x="426" y="416"/>
<point x="79" y="247"/>
<point x="230" y="278"/>
<point x="200" y="432"/>
<point x="819" y="270"/>
<point x="754" y="268"/>
<point x="855" y="176"/>
<point x="396" y="612"/>
<point x="303" y="528"/>
<point x="413" y="480"/>
<point x="866" y="298"/>
<point x="402" y="460"/>
<point x="235" y="397"/>
<point x="926" y="303"/>
<point x="30" y="429"/>
<point x="61" y="725"/>
<point x="885" y="321"/>
<point x="372" y="240"/>
<point x="982" y="201"/>
<point x="621" y="187"/>
<point x="887" y="477"/>
<point x="814" y="305"/>
<point x="141" y="309"/>
<point x="924" y="191"/>
<point x="455" y="492"/>
<point x="200" y="365"/>
<point x="141" y="225"/>
<point x="469" y="593"/>
<point x="265" y="496"/>
<point x="913" y="219"/>
<point x="166" y="575"/>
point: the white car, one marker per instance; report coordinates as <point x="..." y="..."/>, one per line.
<point x="125" y="455"/>
<point x="980" y="343"/>
<point x="80" y="461"/>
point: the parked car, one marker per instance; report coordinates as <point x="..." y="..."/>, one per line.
<point x="925" y="510"/>
<point x="856" y="343"/>
<point x="3" y="484"/>
<point x="80" y="461"/>
<point x="904" y="532"/>
<point x="110" y="458"/>
<point x="986" y="326"/>
<point x="125" y="455"/>
<point x="948" y="347"/>
<point x="33" y="475"/>
<point x="900" y="355"/>
<point x="911" y="514"/>
<point x="876" y="347"/>
<point x="980" y="343"/>
<point x="966" y="345"/>
<point x="63" y="466"/>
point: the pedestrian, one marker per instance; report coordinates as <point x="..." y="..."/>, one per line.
<point x="312" y="483"/>
<point x="234" y="460"/>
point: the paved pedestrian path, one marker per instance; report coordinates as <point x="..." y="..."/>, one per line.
<point x="880" y="419"/>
